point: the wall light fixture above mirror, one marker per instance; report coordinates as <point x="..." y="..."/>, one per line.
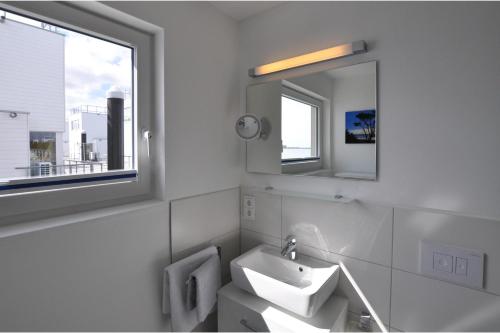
<point x="324" y="124"/>
<point x="334" y="52"/>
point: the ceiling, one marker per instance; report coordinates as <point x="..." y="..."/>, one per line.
<point x="240" y="10"/>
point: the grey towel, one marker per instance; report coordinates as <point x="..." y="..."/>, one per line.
<point x="202" y="286"/>
<point x="174" y="290"/>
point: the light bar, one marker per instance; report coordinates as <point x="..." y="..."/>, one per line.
<point x="335" y="52"/>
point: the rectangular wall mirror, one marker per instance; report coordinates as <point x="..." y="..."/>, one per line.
<point x="322" y="124"/>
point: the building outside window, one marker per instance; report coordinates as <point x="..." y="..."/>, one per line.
<point x="64" y="93"/>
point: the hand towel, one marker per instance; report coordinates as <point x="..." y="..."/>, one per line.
<point x="202" y="286"/>
<point x="174" y="282"/>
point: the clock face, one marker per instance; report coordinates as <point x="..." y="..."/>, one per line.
<point x="248" y="127"/>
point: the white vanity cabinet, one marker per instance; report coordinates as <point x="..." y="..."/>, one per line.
<point x="240" y="311"/>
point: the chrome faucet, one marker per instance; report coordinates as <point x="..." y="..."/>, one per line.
<point x="290" y="248"/>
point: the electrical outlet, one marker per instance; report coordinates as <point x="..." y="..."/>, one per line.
<point x="249" y="214"/>
<point x="249" y="207"/>
<point x="249" y="201"/>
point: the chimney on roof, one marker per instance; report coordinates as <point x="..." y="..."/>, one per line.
<point x="115" y="97"/>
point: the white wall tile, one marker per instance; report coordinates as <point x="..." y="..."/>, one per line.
<point x="14" y="135"/>
<point x="356" y="229"/>
<point x="251" y="239"/>
<point x="267" y="213"/>
<point x="199" y="219"/>
<point x="230" y="248"/>
<point x="411" y="226"/>
<point x="424" y="304"/>
<point x="101" y="274"/>
<point x="373" y="280"/>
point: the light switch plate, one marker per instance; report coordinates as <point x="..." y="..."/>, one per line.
<point x="461" y="266"/>
<point x="442" y="262"/>
<point x="249" y="207"/>
<point x="452" y="263"/>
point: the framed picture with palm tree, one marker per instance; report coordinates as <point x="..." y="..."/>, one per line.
<point x="360" y="126"/>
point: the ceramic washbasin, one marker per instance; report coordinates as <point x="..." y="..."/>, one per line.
<point x="300" y="286"/>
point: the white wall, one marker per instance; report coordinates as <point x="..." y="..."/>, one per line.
<point x="94" y="274"/>
<point x="201" y="94"/>
<point x="75" y="135"/>
<point x="264" y="101"/>
<point x="196" y="225"/>
<point x="32" y="75"/>
<point x="59" y="148"/>
<point x="437" y="104"/>
<point x="15" y="145"/>
<point x="438" y="95"/>
<point x="96" y="126"/>
<point x="114" y="260"/>
<point x="353" y="93"/>
<point x="32" y="81"/>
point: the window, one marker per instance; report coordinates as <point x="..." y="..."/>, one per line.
<point x="299" y="128"/>
<point x="43" y="161"/>
<point x="88" y="188"/>
<point x="71" y="95"/>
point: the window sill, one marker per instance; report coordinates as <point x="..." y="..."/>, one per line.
<point x="301" y="166"/>
<point x="25" y="185"/>
<point x="57" y="221"/>
<point x="302" y="160"/>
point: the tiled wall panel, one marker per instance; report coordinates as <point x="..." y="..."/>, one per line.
<point x="363" y="283"/>
<point x="267" y="214"/>
<point x="198" y="219"/>
<point x="411" y="226"/>
<point x="424" y="304"/>
<point x="208" y="219"/>
<point x="357" y="229"/>
<point x="379" y="247"/>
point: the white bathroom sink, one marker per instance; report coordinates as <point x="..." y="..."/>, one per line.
<point x="300" y="286"/>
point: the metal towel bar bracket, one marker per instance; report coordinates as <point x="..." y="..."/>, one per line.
<point x="219" y="252"/>
<point x="244" y="323"/>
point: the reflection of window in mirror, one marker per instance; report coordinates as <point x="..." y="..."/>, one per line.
<point x="299" y="129"/>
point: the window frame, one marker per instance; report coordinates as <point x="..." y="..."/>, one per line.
<point x="316" y="128"/>
<point x="118" y="186"/>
